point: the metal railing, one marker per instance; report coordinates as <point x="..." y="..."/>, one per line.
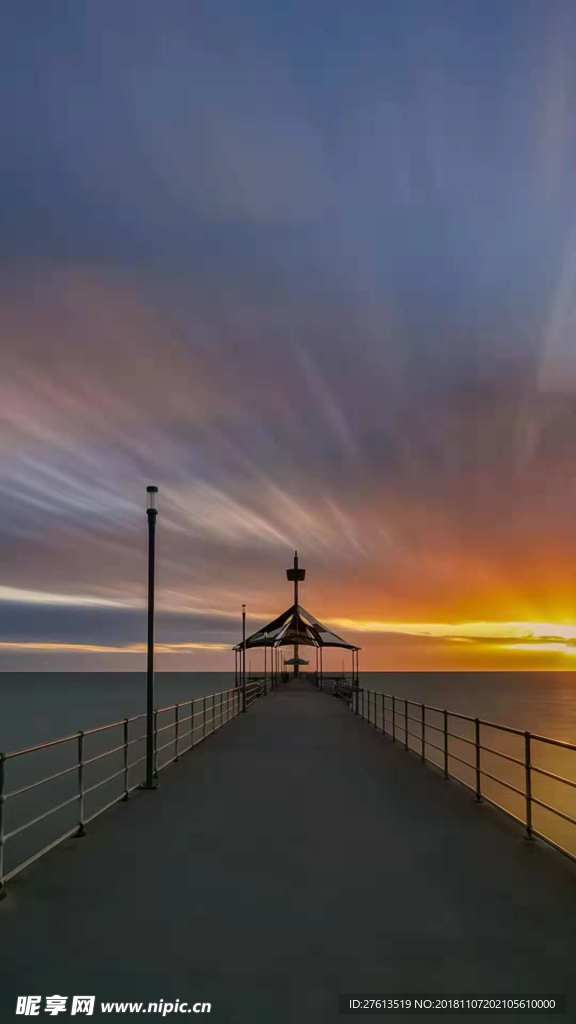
<point x="72" y="776"/>
<point x="531" y="778"/>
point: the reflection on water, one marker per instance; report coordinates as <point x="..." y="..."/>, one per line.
<point x="544" y="702"/>
<point x="491" y="760"/>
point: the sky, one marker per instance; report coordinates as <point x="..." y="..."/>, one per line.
<point x="311" y="270"/>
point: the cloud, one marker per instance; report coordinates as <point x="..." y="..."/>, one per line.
<point x="318" y="287"/>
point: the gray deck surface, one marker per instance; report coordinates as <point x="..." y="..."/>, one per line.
<point x="295" y="855"/>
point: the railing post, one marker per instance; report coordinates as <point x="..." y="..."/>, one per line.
<point x="423" y="732"/>
<point x="446" y="773"/>
<point x="192" y="740"/>
<point x="393" y="719"/>
<point x="176" y="730"/>
<point x="528" y="771"/>
<point x="126" y="794"/>
<point x="383" y="707"/>
<point x="204" y="718"/>
<point x="221" y="700"/>
<point x="155" y="743"/>
<point x="81" y="830"/>
<point x="405" y="724"/>
<point x="477" y="746"/>
<point x="2" y="826"/>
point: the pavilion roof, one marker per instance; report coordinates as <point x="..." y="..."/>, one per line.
<point x="295" y="626"/>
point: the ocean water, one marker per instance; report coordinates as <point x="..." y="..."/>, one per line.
<point x="38" y="706"/>
<point x="542" y="702"/>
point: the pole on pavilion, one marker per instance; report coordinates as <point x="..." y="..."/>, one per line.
<point x="296" y="575"/>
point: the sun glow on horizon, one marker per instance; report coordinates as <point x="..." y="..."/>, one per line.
<point x="474" y="630"/>
<point x="556" y="648"/>
<point x="480" y="636"/>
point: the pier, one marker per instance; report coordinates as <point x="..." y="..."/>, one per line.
<point x="288" y="841"/>
<point x="296" y="855"/>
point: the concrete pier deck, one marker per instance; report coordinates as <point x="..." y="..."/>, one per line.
<point x="294" y="856"/>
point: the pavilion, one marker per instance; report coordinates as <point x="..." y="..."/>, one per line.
<point x="294" y="628"/>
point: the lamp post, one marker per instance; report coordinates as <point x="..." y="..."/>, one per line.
<point x="151" y="514"/>
<point x="243" y="663"/>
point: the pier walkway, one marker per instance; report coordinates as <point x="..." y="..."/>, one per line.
<point x="294" y="856"/>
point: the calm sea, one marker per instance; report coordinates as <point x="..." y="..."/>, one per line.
<point x="42" y="706"/>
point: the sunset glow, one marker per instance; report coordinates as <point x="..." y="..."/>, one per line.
<point x="472" y="645"/>
<point x="319" y="302"/>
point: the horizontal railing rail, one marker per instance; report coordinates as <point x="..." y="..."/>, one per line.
<point x="532" y="778"/>
<point x="24" y="800"/>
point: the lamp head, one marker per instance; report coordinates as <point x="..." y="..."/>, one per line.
<point x="151" y="491"/>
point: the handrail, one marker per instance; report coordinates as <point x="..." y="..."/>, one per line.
<point x="216" y="710"/>
<point x="389" y="714"/>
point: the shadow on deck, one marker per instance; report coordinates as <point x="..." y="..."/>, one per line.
<point x="295" y="856"/>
